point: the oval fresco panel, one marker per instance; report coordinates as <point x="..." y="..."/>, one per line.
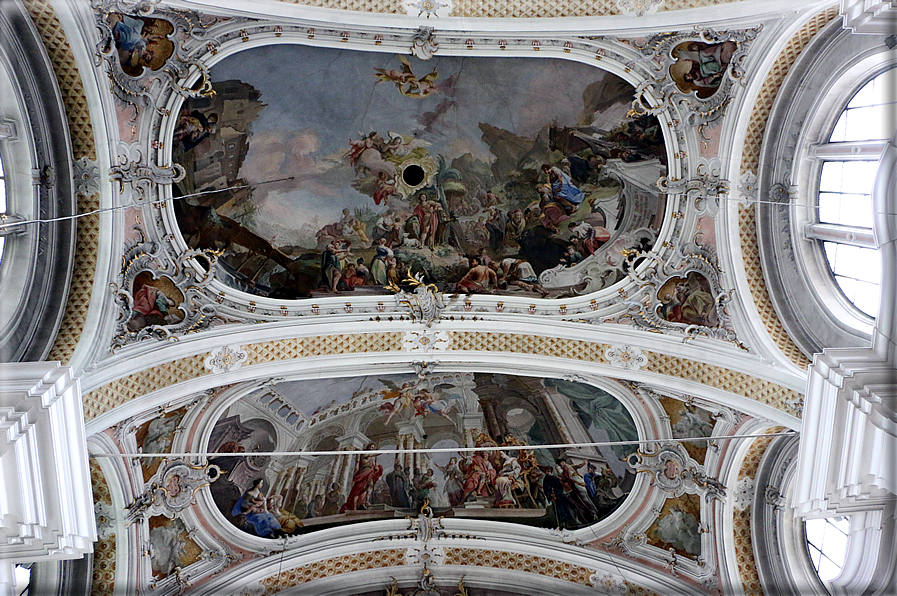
<point x="276" y="496"/>
<point x="336" y="172"/>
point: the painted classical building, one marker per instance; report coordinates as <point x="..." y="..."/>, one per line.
<point x="465" y="297"/>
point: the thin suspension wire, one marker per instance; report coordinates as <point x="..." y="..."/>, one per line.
<point x="447" y="449"/>
<point x="206" y="192"/>
<point x="120" y="207"/>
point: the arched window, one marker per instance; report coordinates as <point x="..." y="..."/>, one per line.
<point x="849" y="165"/>
<point x="827" y="545"/>
<point x="817" y="180"/>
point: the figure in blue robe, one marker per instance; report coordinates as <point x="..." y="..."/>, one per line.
<point x="563" y="190"/>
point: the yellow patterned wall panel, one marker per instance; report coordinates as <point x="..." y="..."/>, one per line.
<point x="750" y="162"/>
<point x="297" y="576"/>
<point x="523" y="9"/>
<point x="120" y="391"/>
<point x="741" y="521"/>
<point x="481" y="557"/>
<point x="103" y="575"/>
<point x="383" y="6"/>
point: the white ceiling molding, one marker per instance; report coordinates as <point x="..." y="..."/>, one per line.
<point x="877" y="17"/>
<point x="45" y="499"/>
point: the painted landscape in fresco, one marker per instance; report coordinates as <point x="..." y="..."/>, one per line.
<point x="484" y="175"/>
<point x="572" y="488"/>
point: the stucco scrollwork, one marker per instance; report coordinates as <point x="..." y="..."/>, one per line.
<point x="160" y="299"/>
<point x="141" y="45"/>
<point x="172" y="489"/>
<point x="138" y="177"/>
<point x="423" y="43"/>
<point x="675" y="473"/>
<point x="696" y="70"/>
<point x="687" y="297"/>
<point x="704" y="190"/>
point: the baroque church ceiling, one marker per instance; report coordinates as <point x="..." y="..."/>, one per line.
<point x="401" y="228"/>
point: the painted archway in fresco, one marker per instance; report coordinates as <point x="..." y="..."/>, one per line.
<point x="290" y="495"/>
<point x="512" y="176"/>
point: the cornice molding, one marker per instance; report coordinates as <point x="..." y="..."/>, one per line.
<point x="103" y="399"/>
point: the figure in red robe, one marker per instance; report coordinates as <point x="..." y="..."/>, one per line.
<point x="366" y="476"/>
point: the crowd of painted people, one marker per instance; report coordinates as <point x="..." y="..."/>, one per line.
<point x="427" y="227"/>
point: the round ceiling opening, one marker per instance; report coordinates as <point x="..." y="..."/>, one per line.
<point x="413" y="175"/>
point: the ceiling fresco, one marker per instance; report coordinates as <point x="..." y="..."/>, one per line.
<point x="344" y="173"/>
<point x="552" y="488"/>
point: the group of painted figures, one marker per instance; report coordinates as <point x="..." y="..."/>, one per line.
<point x="433" y="228"/>
<point x="566" y="494"/>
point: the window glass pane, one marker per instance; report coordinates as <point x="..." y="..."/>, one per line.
<point x="846" y="209"/>
<point x="814" y="556"/>
<point x="835" y="544"/>
<point x="829" y="208"/>
<point x="858" y="263"/>
<point x="848" y="286"/>
<point x="877" y="91"/>
<point x="839" y="134"/>
<point x="832" y="174"/>
<point x="831" y="252"/>
<point x="1" y="165"/>
<point x="866" y="123"/>
<point x="2" y="241"/>
<point x="828" y="570"/>
<point x="2" y="195"/>
<point x="859" y="177"/>
<point x="867" y="297"/>
<point x="842" y="523"/>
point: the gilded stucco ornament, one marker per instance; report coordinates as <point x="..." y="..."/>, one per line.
<point x="141" y="45"/>
<point x="428" y="8"/>
<point x="423" y="44"/>
<point x="417" y="340"/>
<point x="609" y="584"/>
<point x="638" y="8"/>
<point x="747" y="188"/>
<point x="674" y="472"/>
<point x="686" y="298"/>
<point x="158" y="298"/>
<point x="86" y="176"/>
<point x="425" y="303"/>
<point x="105" y="516"/>
<point x="225" y="359"/>
<point x="172" y="489"/>
<point x="626" y="357"/>
<point x="696" y="70"/>
<point x="743" y="495"/>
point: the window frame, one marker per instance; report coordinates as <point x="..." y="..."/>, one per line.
<point x="823" y="151"/>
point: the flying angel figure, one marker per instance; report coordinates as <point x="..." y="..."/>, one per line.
<point x="407" y="82"/>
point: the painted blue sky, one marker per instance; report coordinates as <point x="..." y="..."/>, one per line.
<point x="319" y="98"/>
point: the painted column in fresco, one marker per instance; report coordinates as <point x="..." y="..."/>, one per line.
<point x="292" y="493"/>
<point x="562" y="415"/>
<point x="344" y="468"/>
<point x="472" y="425"/>
<point x="411" y="435"/>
